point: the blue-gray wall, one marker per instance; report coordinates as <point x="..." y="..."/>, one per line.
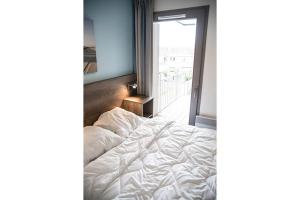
<point x="114" y="33"/>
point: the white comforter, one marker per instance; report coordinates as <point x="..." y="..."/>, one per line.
<point x="159" y="160"/>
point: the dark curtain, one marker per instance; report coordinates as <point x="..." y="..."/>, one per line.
<point x="143" y="45"/>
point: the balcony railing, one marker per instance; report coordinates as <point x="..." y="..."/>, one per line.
<point x="171" y="87"/>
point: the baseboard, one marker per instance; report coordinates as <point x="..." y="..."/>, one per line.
<point x="207" y="121"/>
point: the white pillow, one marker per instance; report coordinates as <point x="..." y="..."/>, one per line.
<point x="119" y="121"/>
<point x="97" y="141"/>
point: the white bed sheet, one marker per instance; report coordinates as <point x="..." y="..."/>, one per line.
<point x="158" y="160"/>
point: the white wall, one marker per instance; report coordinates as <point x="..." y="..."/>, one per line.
<point x="208" y="101"/>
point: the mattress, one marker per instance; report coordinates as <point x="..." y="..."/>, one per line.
<point x="158" y="160"/>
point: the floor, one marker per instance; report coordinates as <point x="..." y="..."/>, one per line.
<point x="178" y="110"/>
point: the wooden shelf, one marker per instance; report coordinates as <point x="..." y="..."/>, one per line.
<point x="148" y="115"/>
<point x="139" y="99"/>
<point x="140" y="105"/>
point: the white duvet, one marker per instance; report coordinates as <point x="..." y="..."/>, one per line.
<point x="158" y="160"/>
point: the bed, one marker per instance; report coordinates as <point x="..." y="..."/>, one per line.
<point x="130" y="157"/>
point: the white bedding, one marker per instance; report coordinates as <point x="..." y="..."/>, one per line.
<point x="97" y="141"/>
<point x="158" y="160"/>
<point x="119" y="121"/>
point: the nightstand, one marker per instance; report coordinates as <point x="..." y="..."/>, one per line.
<point x="140" y="105"/>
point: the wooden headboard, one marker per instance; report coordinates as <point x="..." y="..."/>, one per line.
<point x="105" y="95"/>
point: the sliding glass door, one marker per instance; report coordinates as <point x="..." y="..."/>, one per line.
<point x="178" y="54"/>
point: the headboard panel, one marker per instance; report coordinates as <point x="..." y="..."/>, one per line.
<point x="105" y="95"/>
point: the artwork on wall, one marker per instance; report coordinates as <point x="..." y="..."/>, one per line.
<point x="89" y="48"/>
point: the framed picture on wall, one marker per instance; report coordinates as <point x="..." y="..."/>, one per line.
<point x="89" y="47"/>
